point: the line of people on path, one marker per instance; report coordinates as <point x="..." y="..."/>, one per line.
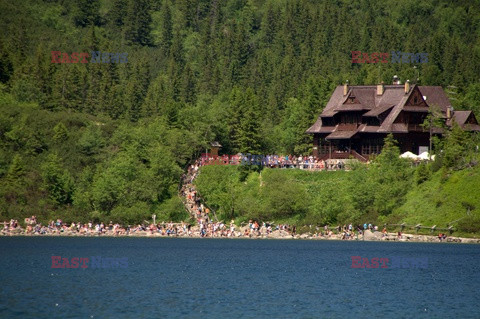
<point x="274" y="161"/>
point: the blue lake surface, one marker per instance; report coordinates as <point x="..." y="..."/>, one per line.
<point x="228" y="278"/>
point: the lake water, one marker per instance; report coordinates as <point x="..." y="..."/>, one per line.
<point x="220" y="278"/>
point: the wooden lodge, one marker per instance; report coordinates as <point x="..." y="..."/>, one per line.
<point x="356" y="119"/>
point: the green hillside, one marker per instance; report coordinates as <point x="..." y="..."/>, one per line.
<point x="446" y="199"/>
<point x="107" y="141"/>
<point x="388" y="191"/>
<point x="319" y="198"/>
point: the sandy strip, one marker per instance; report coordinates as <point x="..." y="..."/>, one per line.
<point x="277" y="234"/>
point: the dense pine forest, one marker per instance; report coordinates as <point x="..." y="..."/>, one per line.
<point x="110" y="140"/>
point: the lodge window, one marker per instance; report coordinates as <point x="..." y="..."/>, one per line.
<point x="349" y="118"/>
<point x="416" y="118"/>
<point x="372" y="146"/>
<point x="323" y="147"/>
<point x="328" y="122"/>
<point x="372" y="121"/>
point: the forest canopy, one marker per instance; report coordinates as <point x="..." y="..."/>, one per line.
<point x="110" y="140"/>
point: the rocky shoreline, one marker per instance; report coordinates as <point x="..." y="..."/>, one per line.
<point x="276" y="234"/>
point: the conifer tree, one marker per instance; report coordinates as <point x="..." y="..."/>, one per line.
<point x="86" y="12"/>
<point x="245" y="120"/>
<point x="137" y="22"/>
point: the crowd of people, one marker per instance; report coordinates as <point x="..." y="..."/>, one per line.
<point x="274" y="161"/>
<point x="192" y="201"/>
<point x="59" y="227"/>
<point x="32" y="227"/>
<point x="207" y="224"/>
<point x="345" y="232"/>
<point x="205" y="228"/>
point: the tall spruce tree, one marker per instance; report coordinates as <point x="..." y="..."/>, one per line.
<point x="137" y="22"/>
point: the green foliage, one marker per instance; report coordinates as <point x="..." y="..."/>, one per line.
<point x="422" y="173"/>
<point x="85" y="12"/>
<point x="91" y="141"/>
<point x="75" y="166"/>
<point x="252" y="75"/>
<point x="444" y="200"/>
<point x="172" y="210"/>
<point x="458" y="149"/>
<point x="60" y="132"/>
<point x="264" y="73"/>
<point x="283" y="196"/>
<point x="16" y="170"/>
<point x="368" y="192"/>
<point x="470" y="224"/>
<point x="220" y="186"/>
<point x="56" y="181"/>
<point x="359" y="183"/>
<point x="391" y="176"/>
<point x="272" y="194"/>
<point x="245" y="121"/>
<point x="131" y="215"/>
<point x="296" y="119"/>
<point x="137" y="173"/>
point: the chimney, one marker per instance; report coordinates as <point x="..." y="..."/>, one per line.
<point x="380" y="88"/>
<point x="449" y="112"/>
<point x="345" y="88"/>
<point x="407" y="86"/>
<point x="396" y="80"/>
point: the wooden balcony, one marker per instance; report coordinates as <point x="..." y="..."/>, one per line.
<point x="416" y="128"/>
<point x="344" y="155"/>
<point x="347" y="127"/>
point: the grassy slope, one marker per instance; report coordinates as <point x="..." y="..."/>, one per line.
<point x="442" y="199"/>
<point x="324" y="197"/>
<point x="275" y="194"/>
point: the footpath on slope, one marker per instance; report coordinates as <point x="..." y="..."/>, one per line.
<point x="192" y="202"/>
<point x="203" y="215"/>
<point x="207" y="225"/>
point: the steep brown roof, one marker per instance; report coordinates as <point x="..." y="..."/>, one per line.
<point x="435" y="97"/>
<point x="365" y="96"/>
<point x="378" y="110"/>
<point x="368" y="128"/>
<point x="461" y="117"/>
<point x="386" y="126"/>
<point x="341" y="135"/>
<point x="351" y="107"/>
<point x="315" y="128"/>
<point x="336" y="99"/>
<point x="393" y="100"/>
<point x="472" y="127"/>
<point x="391" y="96"/>
<point x="415" y="109"/>
<point x="398" y="128"/>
